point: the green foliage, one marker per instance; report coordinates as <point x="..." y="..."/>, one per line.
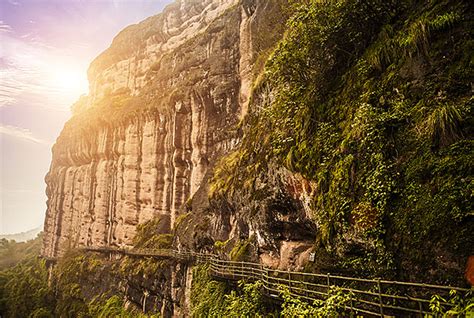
<point x="180" y="219"/>
<point x="146" y="267"/>
<point x="73" y="274"/>
<point x="41" y="313"/>
<point x="438" y="198"/>
<point x="150" y="235"/>
<point x="333" y="306"/>
<point x="241" y="250"/>
<point x="221" y="245"/>
<point x="463" y="306"/>
<point x="24" y="290"/>
<point x="114" y="307"/>
<point x="443" y="125"/>
<point x="371" y="102"/>
<point x="27" y="291"/>
<point x="12" y="253"/>
<point x="211" y="298"/>
<point x="247" y="303"/>
<point x="225" y="182"/>
<point x="207" y="295"/>
<point x="78" y="294"/>
<point x="413" y="39"/>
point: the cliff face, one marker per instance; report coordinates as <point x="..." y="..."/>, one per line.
<point x="353" y="142"/>
<point x="163" y="101"/>
<point x="357" y="147"/>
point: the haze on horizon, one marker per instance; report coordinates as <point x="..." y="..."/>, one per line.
<point x="46" y="48"/>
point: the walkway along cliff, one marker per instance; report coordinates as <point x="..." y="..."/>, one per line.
<point x="373" y="297"/>
<point x="324" y="137"/>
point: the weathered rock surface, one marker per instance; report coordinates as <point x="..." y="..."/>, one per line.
<point x="164" y="101"/>
<point x="105" y="181"/>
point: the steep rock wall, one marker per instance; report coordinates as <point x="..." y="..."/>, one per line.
<point x="342" y="158"/>
<point x="164" y="99"/>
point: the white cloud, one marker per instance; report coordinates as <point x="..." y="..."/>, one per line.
<point x="21" y="133"/>
<point x="5" y="27"/>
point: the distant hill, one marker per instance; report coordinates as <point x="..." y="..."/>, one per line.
<point x="23" y="236"/>
<point x="12" y="253"/>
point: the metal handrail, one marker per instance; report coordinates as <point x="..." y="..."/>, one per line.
<point x="374" y="302"/>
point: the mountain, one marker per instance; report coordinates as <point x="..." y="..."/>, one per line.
<point x="317" y="136"/>
<point x="23" y="236"/>
<point x="165" y="101"/>
<point x="14" y="252"/>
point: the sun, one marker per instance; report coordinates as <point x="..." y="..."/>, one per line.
<point x="68" y="80"/>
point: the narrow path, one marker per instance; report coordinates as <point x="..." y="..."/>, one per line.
<point x="369" y="297"/>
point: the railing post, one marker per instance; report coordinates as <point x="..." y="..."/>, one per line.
<point x="267" y="277"/>
<point x="379" y="287"/>
<point x="352" y="303"/>
<point x="306" y="292"/>
<point x="420" y="307"/>
<point x="329" y="284"/>
<point x="289" y="279"/>
<point x="213" y="266"/>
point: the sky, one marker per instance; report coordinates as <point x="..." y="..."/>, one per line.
<point x="46" y="47"/>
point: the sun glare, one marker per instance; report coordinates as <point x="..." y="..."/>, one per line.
<point x="70" y="81"/>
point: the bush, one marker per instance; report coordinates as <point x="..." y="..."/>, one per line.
<point x="333" y="306"/>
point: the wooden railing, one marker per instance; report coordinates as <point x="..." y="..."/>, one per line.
<point x="369" y="297"/>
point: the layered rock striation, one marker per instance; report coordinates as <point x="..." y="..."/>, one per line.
<point x="164" y="102"/>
